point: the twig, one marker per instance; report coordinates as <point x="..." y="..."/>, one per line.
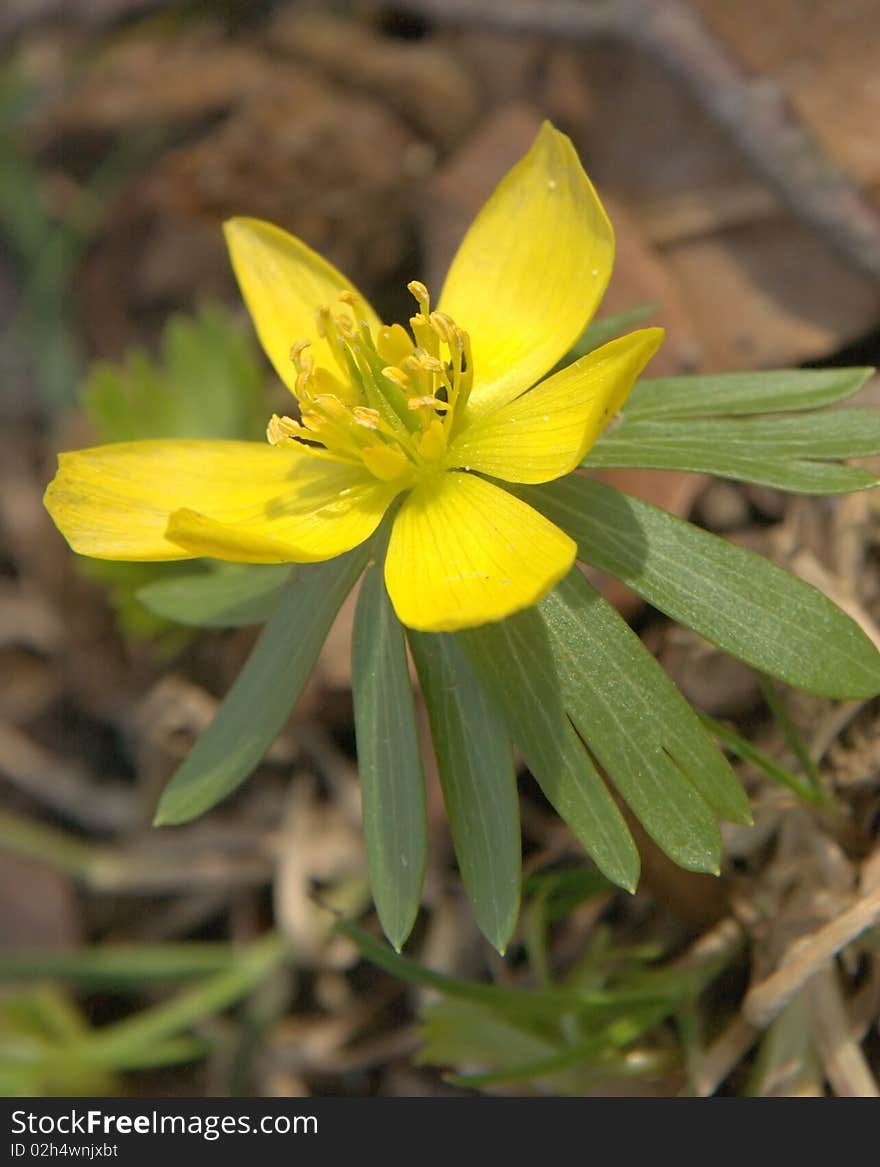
<point x="842" y="1059"/>
<point x="163" y="867"/>
<point x="567" y="19"/>
<point x="806" y="957"/>
<point x="722" y="1057"/>
<point x="753" y="110"/>
<point x="762" y="122"/>
<point x="61" y="785"/>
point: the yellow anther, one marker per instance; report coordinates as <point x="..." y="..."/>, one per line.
<point x="350" y="298"/>
<point x="281" y="431"/>
<point x="322" y="320"/>
<point x="443" y="325"/>
<point x="368" y="418"/>
<point x="420" y="292"/>
<point x="397" y="376"/>
<point x="431" y="364"/>
<point x="343" y="325"/>
<point x="428" y="401"/>
<point x="302" y="360"/>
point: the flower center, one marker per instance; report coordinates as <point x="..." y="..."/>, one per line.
<point x="393" y="400"/>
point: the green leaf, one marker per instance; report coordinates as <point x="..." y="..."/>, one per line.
<point x="395" y="822"/>
<point x="455" y="1032"/>
<point x="538" y="1004"/>
<point x="228" y="595"/>
<point x="477" y="775"/>
<point x="206" y="383"/>
<point x="789" y="453"/>
<point x="743" y="748"/>
<point x="118" y="966"/>
<point x="736" y="599"/>
<point x="514" y="660"/>
<point x="642" y="731"/>
<point x="599" y="332"/>
<point x="265" y="691"/>
<point x="728" y="394"/>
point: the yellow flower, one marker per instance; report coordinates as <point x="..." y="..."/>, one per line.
<point x="426" y="422"/>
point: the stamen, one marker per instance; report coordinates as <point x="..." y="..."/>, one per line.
<point x="282" y="431"/>
<point x="302" y="361"/>
<point x="397" y="376"/>
<point x="420" y="292"/>
<point x="393" y="401"/>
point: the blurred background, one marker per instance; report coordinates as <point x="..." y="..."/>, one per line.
<point x="736" y="149"/>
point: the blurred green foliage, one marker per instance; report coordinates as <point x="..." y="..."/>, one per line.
<point x="205" y="382"/>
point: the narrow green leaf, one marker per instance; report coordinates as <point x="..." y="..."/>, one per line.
<point x="522" y="1004"/>
<point x="796" y="743"/>
<point x="789" y="453"/>
<point x="736" y="599"/>
<point x="265" y="691"/>
<point x="743" y="748"/>
<point x="118" y="965"/>
<point x="798" y="476"/>
<point x="607" y="714"/>
<point x="230" y="595"/>
<point x="475" y="763"/>
<point x="395" y="823"/>
<point x="826" y="434"/>
<point x="608" y="663"/>
<point x="727" y="394"/>
<point x="122" y="1043"/>
<point x="646" y="736"/>
<point x="605" y="328"/>
<point x="514" y="660"/>
<point x="459" y="1032"/>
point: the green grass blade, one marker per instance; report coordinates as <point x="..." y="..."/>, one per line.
<point x="265" y="691"/>
<point x="125" y="1042"/>
<point x="729" y="394"/>
<point x="477" y="775"/>
<point x="395" y="824"/>
<point x="514" y="660"/>
<point x="743" y="748"/>
<point x="116" y="965"/>
<point x="736" y="599"/>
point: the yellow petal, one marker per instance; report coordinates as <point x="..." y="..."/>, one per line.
<point x="546" y="432"/>
<point x="284" y="283"/>
<point x="464" y="552"/>
<point x="272" y="504"/>
<point x="531" y="270"/>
